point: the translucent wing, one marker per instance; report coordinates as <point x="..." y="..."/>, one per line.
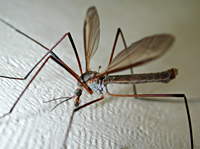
<point x="91" y="34"/>
<point x="140" y="52"/>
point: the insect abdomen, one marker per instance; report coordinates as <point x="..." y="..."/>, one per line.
<point x="164" y="77"/>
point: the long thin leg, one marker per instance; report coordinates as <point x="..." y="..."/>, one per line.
<point x="119" y="32"/>
<point x="20" y="32"/>
<point x="72" y="116"/>
<point x="26" y="88"/>
<point x="166" y="95"/>
<point x="49" y="51"/>
<point x="59" y="61"/>
<point x="29" y="84"/>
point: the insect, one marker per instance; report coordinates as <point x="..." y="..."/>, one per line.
<point x="138" y="53"/>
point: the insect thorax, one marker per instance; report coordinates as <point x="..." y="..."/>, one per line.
<point x="95" y="84"/>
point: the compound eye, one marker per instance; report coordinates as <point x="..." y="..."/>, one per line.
<point x="78" y="92"/>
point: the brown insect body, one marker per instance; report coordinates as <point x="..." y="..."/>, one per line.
<point x="138" y="53"/>
<point x="94" y="83"/>
<point x="98" y="84"/>
<point x="163" y="77"/>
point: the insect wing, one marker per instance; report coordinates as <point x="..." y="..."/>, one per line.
<point x="91" y="34"/>
<point x="140" y="52"/>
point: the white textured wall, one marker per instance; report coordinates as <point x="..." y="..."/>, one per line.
<point x="113" y="122"/>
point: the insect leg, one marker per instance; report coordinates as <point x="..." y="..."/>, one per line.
<point x="49" y="51"/>
<point x="58" y="60"/>
<point x="166" y="95"/>
<point x="72" y="116"/>
<point x="61" y="63"/>
<point x="29" y="84"/>
<point x="119" y="32"/>
<point x="20" y="32"/>
<point x="115" y="43"/>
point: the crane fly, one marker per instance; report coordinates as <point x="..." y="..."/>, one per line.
<point x="138" y="53"/>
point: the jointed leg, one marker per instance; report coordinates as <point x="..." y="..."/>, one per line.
<point x="119" y="32"/>
<point x="28" y="86"/>
<point x="49" y="50"/>
<point x="59" y="61"/>
<point x="166" y="95"/>
<point x="115" y="43"/>
<point x="75" y="110"/>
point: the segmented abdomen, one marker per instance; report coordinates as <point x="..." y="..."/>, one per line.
<point x="164" y="77"/>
